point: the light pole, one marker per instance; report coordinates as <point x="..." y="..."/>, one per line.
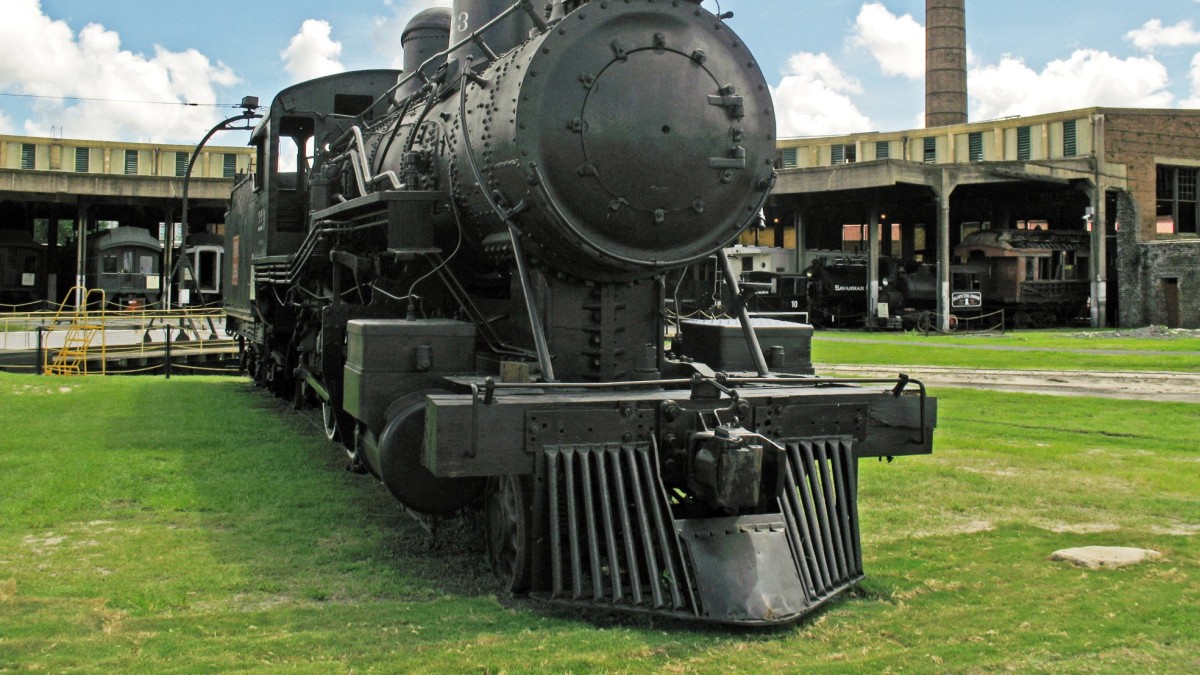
<point x="249" y="105"/>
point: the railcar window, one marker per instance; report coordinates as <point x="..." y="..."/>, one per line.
<point x="1045" y="267"/>
<point x="351" y="104"/>
<point x="110" y="264"/>
<point x="1069" y="265"/>
<point x="260" y="164"/>
<point x="127" y="262"/>
<point x="208" y="267"/>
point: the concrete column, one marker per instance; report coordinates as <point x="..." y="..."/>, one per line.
<point x="872" y="266"/>
<point x="943" y="257"/>
<point x="1098" y="265"/>
<point x="81" y="227"/>
<point x="798" y="222"/>
<point x="52" y="253"/>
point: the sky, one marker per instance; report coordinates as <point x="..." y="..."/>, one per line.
<point x="166" y="71"/>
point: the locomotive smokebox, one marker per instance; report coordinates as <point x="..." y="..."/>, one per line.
<point x="652" y="146"/>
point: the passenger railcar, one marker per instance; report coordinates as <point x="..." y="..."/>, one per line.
<point x="125" y="262"/>
<point x="463" y="266"/>
<point x="1039" y="277"/>
<point x="201" y="275"/>
<point x="22" y="271"/>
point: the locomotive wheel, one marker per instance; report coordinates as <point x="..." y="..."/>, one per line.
<point x="507" y="513"/>
<point x="401" y="446"/>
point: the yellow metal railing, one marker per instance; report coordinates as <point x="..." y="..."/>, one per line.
<point x="83" y="327"/>
<point x="84" y="331"/>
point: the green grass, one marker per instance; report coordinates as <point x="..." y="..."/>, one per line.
<point x="197" y="525"/>
<point x="1030" y="350"/>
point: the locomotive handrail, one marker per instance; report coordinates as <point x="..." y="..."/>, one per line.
<point x="540" y="344"/>
<point x="358" y="160"/>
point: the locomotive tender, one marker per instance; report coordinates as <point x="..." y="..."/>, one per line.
<point x="463" y="266"/>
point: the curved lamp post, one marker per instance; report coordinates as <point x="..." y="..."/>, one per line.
<point x="249" y="105"/>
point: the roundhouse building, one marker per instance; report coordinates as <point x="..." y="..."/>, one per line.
<point x="1127" y="176"/>
<point x="50" y="186"/>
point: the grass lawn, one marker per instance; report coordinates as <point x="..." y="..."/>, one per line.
<point x="197" y="525"/>
<point x="1062" y="349"/>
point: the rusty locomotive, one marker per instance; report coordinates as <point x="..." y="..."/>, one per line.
<point x="462" y="265"/>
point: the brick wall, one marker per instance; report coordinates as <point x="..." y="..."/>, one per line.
<point x="1135" y="137"/>
<point x="1148" y="263"/>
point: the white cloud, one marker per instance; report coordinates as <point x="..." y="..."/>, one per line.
<point x="1194" y="75"/>
<point x="1153" y="34"/>
<point x="896" y="42"/>
<point x="312" y="52"/>
<point x="40" y="56"/>
<point x="813" y="99"/>
<point x="1087" y="78"/>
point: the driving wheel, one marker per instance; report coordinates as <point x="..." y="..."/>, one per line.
<point x="507" y="511"/>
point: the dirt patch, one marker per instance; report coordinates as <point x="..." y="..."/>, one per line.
<point x="44" y="544"/>
<point x="1147" y="386"/>
<point x="1061" y="527"/>
<point x="1003" y="473"/>
<point x="1177" y="529"/>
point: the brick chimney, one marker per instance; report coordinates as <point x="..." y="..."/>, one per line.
<point x="945" y="62"/>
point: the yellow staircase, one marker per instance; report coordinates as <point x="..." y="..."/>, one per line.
<point x="83" y="327"/>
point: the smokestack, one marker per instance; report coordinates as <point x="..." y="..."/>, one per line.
<point x="945" y="62"/>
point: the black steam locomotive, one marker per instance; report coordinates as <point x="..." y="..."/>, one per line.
<point x="462" y="265"/>
<point x="837" y="292"/>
